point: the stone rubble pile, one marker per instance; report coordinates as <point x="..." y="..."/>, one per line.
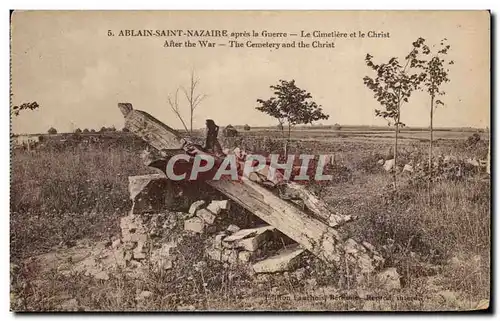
<point x="143" y="240"/>
<point x="441" y="163"/>
<point x="145" y="231"/>
<point x="151" y="233"/>
<point x="234" y="246"/>
<point x="145" y="234"/>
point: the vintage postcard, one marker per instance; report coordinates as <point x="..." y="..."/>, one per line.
<point x="250" y="161"/>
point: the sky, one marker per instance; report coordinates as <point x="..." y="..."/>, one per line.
<point x="77" y="73"/>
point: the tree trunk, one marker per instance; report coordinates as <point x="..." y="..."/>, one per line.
<point x="191" y="123"/>
<point x="429" y="186"/>
<point x="287" y="141"/>
<point x="398" y="118"/>
<point x="396" y="156"/>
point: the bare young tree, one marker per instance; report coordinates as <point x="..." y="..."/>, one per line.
<point x="193" y="99"/>
<point x="174" y="105"/>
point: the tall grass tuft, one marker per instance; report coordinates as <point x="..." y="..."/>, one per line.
<point x="58" y="196"/>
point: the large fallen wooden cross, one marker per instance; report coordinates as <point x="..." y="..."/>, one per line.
<point x="314" y="232"/>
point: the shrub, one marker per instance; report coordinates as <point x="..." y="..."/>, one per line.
<point x="230" y="131"/>
<point x="473" y="139"/>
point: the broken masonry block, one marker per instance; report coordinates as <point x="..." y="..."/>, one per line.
<point x="217" y="206"/>
<point x="352" y="247"/>
<point x="211" y="229"/>
<point x="139" y="255"/>
<point x="389" y="165"/>
<point x="285" y="260"/>
<point x="244" y="256"/>
<point x="214" y="253"/>
<point x="116" y="243"/>
<point x="152" y="192"/>
<point x="138" y="237"/>
<point x="224" y="204"/>
<point x="223" y="255"/>
<point x="138" y="183"/>
<point x="133" y="230"/>
<point x="196" y="206"/>
<point x="251" y="243"/>
<point x="218" y="240"/>
<point x="230" y="256"/>
<point x="336" y="219"/>
<point x="127" y="256"/>
<point x="128" y="244"/>
<point x="249" y="239"/>
<point x="125" y="221"/>
<point x="163" y="258"/>
<point x="232" y="228"/>
<point x="194" y="224"/>
<point x="246" y="233"/>
<point x="206" y="216"/>
<point x="139" y="251"/>
<point x="214" y="208"/>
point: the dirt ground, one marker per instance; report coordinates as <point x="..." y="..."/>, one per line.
<point x="67" y="202"/>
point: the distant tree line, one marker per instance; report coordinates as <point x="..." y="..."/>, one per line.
<point x="53" y="131"/>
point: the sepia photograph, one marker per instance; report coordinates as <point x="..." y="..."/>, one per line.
<point x="250" y="161"/>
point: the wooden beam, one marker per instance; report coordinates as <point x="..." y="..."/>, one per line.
<point x="310" y="232"/>
<point x="165" y="138"/>
<point x="150" y="129"/>
<point x="318" y="208"/>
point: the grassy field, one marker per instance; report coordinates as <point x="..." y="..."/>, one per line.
<point x="65" y="194"/>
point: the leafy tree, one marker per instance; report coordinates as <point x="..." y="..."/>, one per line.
<point x="103" y="129"/>
<point x="246" y="127"/>
<point x="78" y="131"/>
<point x="291" y="105"/>
<point x="92" y="130"/>
<point x="86" y="131"/>
<point x="125" y="130"/>
<point x="52" y="131"/>
<point x="337" y="127"/>
<point x="25" y="106"/>
<point x="431" y="60"/>
<point x="392" y="86"/>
